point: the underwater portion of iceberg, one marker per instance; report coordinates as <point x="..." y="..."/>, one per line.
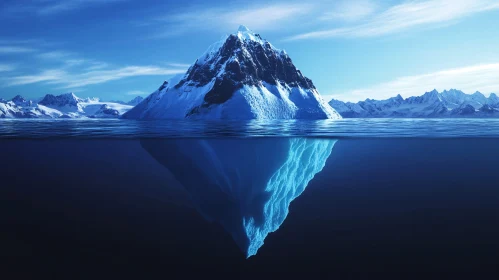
<point x="245" y="185"/>
<point x="306" y="158"/>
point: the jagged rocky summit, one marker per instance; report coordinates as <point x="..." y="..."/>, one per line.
<point x="447" y="104"/>
<point x="240" y="77"/>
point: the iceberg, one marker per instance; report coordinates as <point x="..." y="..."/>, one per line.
<point x="245" y="185"/>
<point x="241" y="77"/>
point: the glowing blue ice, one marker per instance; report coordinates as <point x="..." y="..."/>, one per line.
<point x="244" y="185"/>
<point x="306" y="158"/>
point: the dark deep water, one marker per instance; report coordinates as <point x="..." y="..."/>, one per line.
<point x="379" y="209"/>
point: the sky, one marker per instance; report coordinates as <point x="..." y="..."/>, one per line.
<point x="350" y="49"/>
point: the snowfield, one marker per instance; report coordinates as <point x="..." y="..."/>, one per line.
<point x="447" y="104"/>
<point x="62" y="106"/>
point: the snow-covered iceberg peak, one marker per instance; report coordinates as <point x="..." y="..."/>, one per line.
<point x="240" y="77"/>
<point x="244" y="29"/>
<point x="244" y="33"/>
<point x="245" y="185"/>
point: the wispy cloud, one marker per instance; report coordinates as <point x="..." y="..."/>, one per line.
<point x="136" y="92"/>
<point x="72" y="59"/>
<point x="7" y="41"/>
<point x="72" y="80"/>
<point x="96" y="65"/>
<point x="15" y="49"/>
<point x="482" y="77"/>
<point x="6" y="67"/>
<point x="44" y="76"/>
<point x="410" y="14"/>
<point x="74" y="62"/>
<point x="349" y="10"/>
<point x="181" y="65"/>
<point x="51" y="7"/>
<point x="257" y="17"/>
<point x="54" y="6"/>
<point x="54" y="55"/>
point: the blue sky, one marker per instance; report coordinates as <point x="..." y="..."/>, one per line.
<point x="351" y="49"/>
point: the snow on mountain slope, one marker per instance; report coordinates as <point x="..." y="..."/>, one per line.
<point x="9" y="110"/>
<point x="135" y="101"/>
<point x="61" y="106"/>
<point x="447" y="104"/>
<point x="18" y="100"/>
<point x="241" y="77"/>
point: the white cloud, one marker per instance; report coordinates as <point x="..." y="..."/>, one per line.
<point x="256" y="17"/>
<point x="103" y="76"/>
<point x="74" y="62"/>
<point x="6" y="41"/>
<point x="71" y="80"/>
<point x="44" y="76"/>
<point x="482" y="77"/>
<point x="410" y="14"/>
<point x="181" y="65"/>
<point x="348" y="10"/>
<point x="54" y="55"/>
<point x="136" y="92"/>
<point x="264" y="18"/>
<point x="15" y="49"/>
<point x="71" y="59"/>
<point x="96" y="65"/>
<point x="6" y="67"/>
<point x="50" y="7"/>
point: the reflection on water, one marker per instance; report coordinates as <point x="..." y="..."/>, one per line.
<point x="245" y="185"/>
<point x="346" y="128"/>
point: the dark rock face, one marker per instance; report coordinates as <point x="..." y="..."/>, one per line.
<point x="487" y="109"/>
<point x="464" y="110"/>
<point x="105" y="111"/>
<point x="246" y="62"/>
<point x="60" y="100"/>
<point x="135" y="101"/>
<point x="111" y="112"/>
<point x="163" y="86"/>
<point x="19" y="99"/>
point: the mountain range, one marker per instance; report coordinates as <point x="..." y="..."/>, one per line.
<point x="240" y="77"/>
<point x="66" y="105"/>
<point x="245" y="77"/>
<point x="451" y="103"/>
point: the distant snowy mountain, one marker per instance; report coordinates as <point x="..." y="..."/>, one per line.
<point x="20" y="101"/>
<point x="135" y="101"/>
<point x="447" y="104"/>
<point x="64" y="101"/>
<point x="241" y="77"/>
<point x="61" y="106"/>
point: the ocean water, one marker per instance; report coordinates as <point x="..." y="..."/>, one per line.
<point x="351" y="199"/>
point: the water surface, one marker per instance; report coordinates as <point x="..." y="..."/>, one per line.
<point x="115" y="199"/>
<point x="345" y="128"/>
